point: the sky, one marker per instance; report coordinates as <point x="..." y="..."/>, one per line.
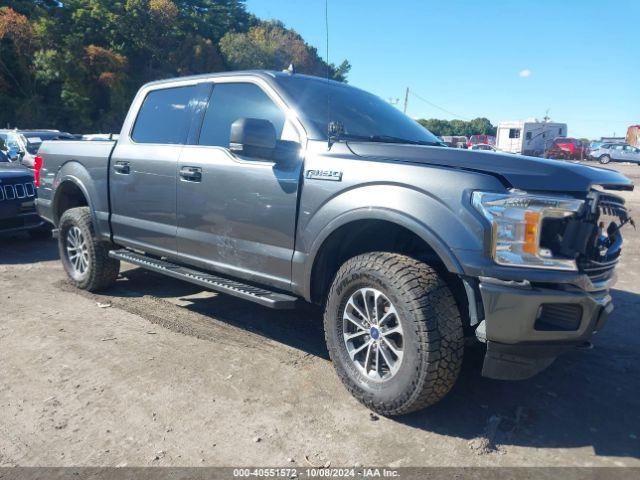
<point x="500" y="59"/>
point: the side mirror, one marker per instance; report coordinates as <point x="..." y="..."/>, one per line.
<point x="253" y="137"/>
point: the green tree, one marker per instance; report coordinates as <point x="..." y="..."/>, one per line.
<point x="272" y="46"/>
<point x="477" y="126"/>
<point x="75" y="65"/>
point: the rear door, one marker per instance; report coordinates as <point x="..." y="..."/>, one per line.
<point x="617" y="152"/>
<point x="143" y="170"/>
<point x="237" y="215"/>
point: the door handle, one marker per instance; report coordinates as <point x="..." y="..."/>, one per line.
<point x="191" y="174"/>
<point x="122" y="167"/>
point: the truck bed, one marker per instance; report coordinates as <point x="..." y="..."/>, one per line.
<point x="86" y="161"/>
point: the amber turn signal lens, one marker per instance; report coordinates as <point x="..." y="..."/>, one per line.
<point x="532" y="221"/>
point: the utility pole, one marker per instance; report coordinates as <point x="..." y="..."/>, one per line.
<point x="406" y="100"/>
<point x="544" y="132"/>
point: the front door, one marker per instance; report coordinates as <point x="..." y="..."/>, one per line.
<point x="237" y="215"/>
<point x="143" y="172"/>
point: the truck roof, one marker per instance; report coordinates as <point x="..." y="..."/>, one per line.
<point x="264" y="74"/>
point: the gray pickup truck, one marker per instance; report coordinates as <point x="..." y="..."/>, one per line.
<point x="279" y="188"/>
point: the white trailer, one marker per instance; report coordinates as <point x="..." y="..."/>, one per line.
<point x="530" y="137"/>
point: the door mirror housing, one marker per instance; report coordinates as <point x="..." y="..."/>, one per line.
<point x="253" y="137"/>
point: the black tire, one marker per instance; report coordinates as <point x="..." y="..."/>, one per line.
<point x="604" y="159"/>
<point x="101" y="271"/>
<point x="432" y="341"/>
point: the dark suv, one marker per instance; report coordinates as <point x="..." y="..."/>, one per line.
<point x="17" y="202"/>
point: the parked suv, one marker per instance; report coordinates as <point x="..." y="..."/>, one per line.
<point x="566" y="148"/>
<point x="279" y="188"/>
<point x="22" y="145"/>
<point x="481" y="140"/>
<point x="17" y="202"/>
<point x="616" y="152"/>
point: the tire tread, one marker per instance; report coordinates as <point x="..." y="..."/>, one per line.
<point x="436" y="322"/>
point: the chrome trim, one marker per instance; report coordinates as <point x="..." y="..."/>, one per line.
<point x="7" y="189"/>
<point x="17" y="191"/>
<point x="20" y="190"/>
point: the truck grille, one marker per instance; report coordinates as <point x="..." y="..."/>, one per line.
<point x="604" y="248"/>
<point x="17" y="191"/>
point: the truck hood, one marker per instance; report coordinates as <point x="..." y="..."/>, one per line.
<point x="11" y="170"/>
<point x="518" y="171"/>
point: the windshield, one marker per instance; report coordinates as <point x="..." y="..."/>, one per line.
<point x="360" y="114"/>
<point x="11" y="141"/>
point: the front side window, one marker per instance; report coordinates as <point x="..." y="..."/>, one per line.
<point x="514" y="133"/>
<point x="232" y="101"/>
<point x="165" y="116"/>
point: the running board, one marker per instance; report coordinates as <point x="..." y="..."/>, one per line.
<point x="264" y="297"/>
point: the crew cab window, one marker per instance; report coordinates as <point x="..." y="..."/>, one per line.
<point x="231" y="101"/>
<point x="165" y="116"/>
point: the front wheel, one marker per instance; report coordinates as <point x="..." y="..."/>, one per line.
<point x="393" y="332"/>
<point x="85" y="258"/>
<point x="604" y="159"/>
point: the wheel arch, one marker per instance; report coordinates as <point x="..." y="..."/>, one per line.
<point x="70" y="193"/>
<point x="75" y="187"/>
<point x="372" y="229"/>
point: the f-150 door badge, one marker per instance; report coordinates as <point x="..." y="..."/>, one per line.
<point x="331" y="175"/>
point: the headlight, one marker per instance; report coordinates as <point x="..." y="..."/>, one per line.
<point x="516" y="220"/>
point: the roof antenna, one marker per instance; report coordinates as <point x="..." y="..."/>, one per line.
<point x="291" y="70"/>
<point x="330" y="130"/>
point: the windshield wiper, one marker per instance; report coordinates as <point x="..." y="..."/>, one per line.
<point x="337" y="133"/>
<point x="392" y="139"/>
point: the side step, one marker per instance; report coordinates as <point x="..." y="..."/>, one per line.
<point x="264" y="297"/>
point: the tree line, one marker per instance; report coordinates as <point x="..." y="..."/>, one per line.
<point x="76" y="65"/>
<point x="477" y="126"/>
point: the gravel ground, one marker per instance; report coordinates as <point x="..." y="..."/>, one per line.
<point x="157" y="372"/>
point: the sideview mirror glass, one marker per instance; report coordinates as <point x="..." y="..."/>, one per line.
<point x="253" y="137"/>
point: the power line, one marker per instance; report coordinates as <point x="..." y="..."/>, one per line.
<point x="434" y="105"/>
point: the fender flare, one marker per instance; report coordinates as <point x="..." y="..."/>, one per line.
<point x="423" y="231"/>
<point x="69" y="173"/>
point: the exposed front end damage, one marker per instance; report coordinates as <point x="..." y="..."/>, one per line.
<point x="527" y="324"/>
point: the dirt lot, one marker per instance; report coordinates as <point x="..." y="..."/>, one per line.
<point x="157" y="372"/>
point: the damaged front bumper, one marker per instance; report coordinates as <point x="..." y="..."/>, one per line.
<point x="526" y="326"/>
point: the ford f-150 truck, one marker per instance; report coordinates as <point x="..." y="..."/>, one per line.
<point x="278" y="188"/>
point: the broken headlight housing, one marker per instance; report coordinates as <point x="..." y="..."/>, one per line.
<point x="516" y="222"/>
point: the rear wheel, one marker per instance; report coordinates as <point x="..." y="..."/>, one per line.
<point x="604" y="159"/>
<point x="85" y="258"/>
<point x="394" y="332"/>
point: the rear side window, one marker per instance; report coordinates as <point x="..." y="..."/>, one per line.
<point x="165" y="116"/>
<point x="231" y="101"/>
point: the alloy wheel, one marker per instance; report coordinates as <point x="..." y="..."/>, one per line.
<point x="373" y="334"/>
<point x="77" y="251"/>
